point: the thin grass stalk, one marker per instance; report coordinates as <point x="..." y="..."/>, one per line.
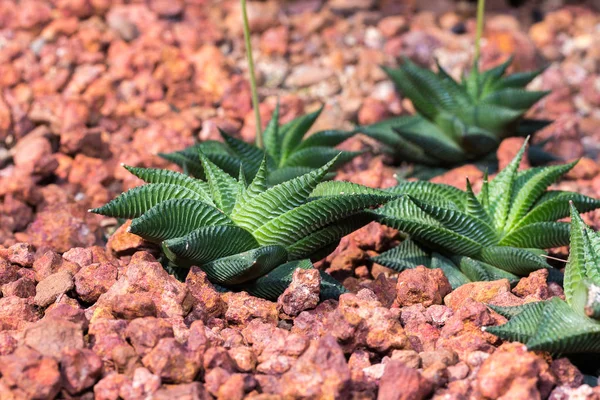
<point x="253" y="90"/>
<point x="479" y="31"/>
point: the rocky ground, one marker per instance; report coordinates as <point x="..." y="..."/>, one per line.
<point x="88" y="84"/>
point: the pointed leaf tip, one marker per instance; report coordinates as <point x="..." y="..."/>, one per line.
<point x="328" y="165"/>
<point x="573" y="209"/>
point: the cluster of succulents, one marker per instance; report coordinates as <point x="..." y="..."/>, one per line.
<point x="288" y="153"/>
<point x="457" y="122"/>
<point x="254" y="236"/>
<point x="244" y="236"/>
<point x="238" y="233"/>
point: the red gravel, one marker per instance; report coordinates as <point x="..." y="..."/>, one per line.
<point x="88" y="84"/>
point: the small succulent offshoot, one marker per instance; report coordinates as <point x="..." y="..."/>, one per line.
<point x="457" y="122"/>
<point x="500" y="233"/>
<point x="555" y="325"/>
<point x="245" y="237"/>
<point x="287" y="152"/>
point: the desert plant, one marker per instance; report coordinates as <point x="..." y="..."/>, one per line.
<point x="501" y="233"/>
<point x="288" y="154"/>
<point x="248" y="237"/>
<point x="456" y="122"/>
<point x="459" y="122"/>
<point x="555" y="325"/>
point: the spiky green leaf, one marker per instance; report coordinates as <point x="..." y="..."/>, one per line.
<point x="292" y="133"/>
<point x="438" y="194"/>
<point x="256" y="187"/>
<point x="475" y="209"/>
<point x="404" y="256"/>
<point x="137" y="201"/>
<point x="580" y="256"/>
<point x="541" y="235"/>
<point x="279" y="199"/>
<point x="335" y="188"/>
<point x="316" y="156"/>
<point x="291" y="226"/>
<point x="523" y="325"/>
<point x="222" y="186"/>
<point x="515" y="98"/>
<point x="455" y="277"/>
<point x="175" y="218"/>
<point x="562" y="330"/>
<point x="330" y="138"/>
<point x="428" y="82"/>
<point x="385" y="132"/>
<point x="408" y="88"/>
<point x="271" y="136"/>
<point x="274" y="283"/>
<point x="250" y="156"/>
<point x="405" y="215"/>
<point x="425" y="134"/>
<point x="517" y="80"/>
<point x="311" y="244"/>
<point x="514" y="260"/>
<point x="526" y="193"/>
<point x="243" y="267"/>
<point x="153" y="175"/>
<point x="285" y="174"/>
<point x="554" y="205"/>
<point x="459" y="222"/>
<point x="500" y="189"/>
<point x="206" y="244"/>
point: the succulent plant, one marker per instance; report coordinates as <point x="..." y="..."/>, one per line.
<point x="501" y="233"/>
<point x="555" y="325"/>
<point x="457" y="122"/>
<point x="288" y="154"/>
<point x="248" y="237"/>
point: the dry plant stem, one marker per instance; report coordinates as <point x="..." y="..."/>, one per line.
<point x="479" y="32"/>
<point x="259" y="139"/>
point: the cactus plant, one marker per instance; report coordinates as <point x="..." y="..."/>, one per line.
<point x="248" y="237"/>
<point x="501" y="233"/>
<point x="456" y="123"/>
<point x="288" y="153"/>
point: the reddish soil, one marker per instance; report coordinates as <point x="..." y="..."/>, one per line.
<point x="88" y="84"/>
